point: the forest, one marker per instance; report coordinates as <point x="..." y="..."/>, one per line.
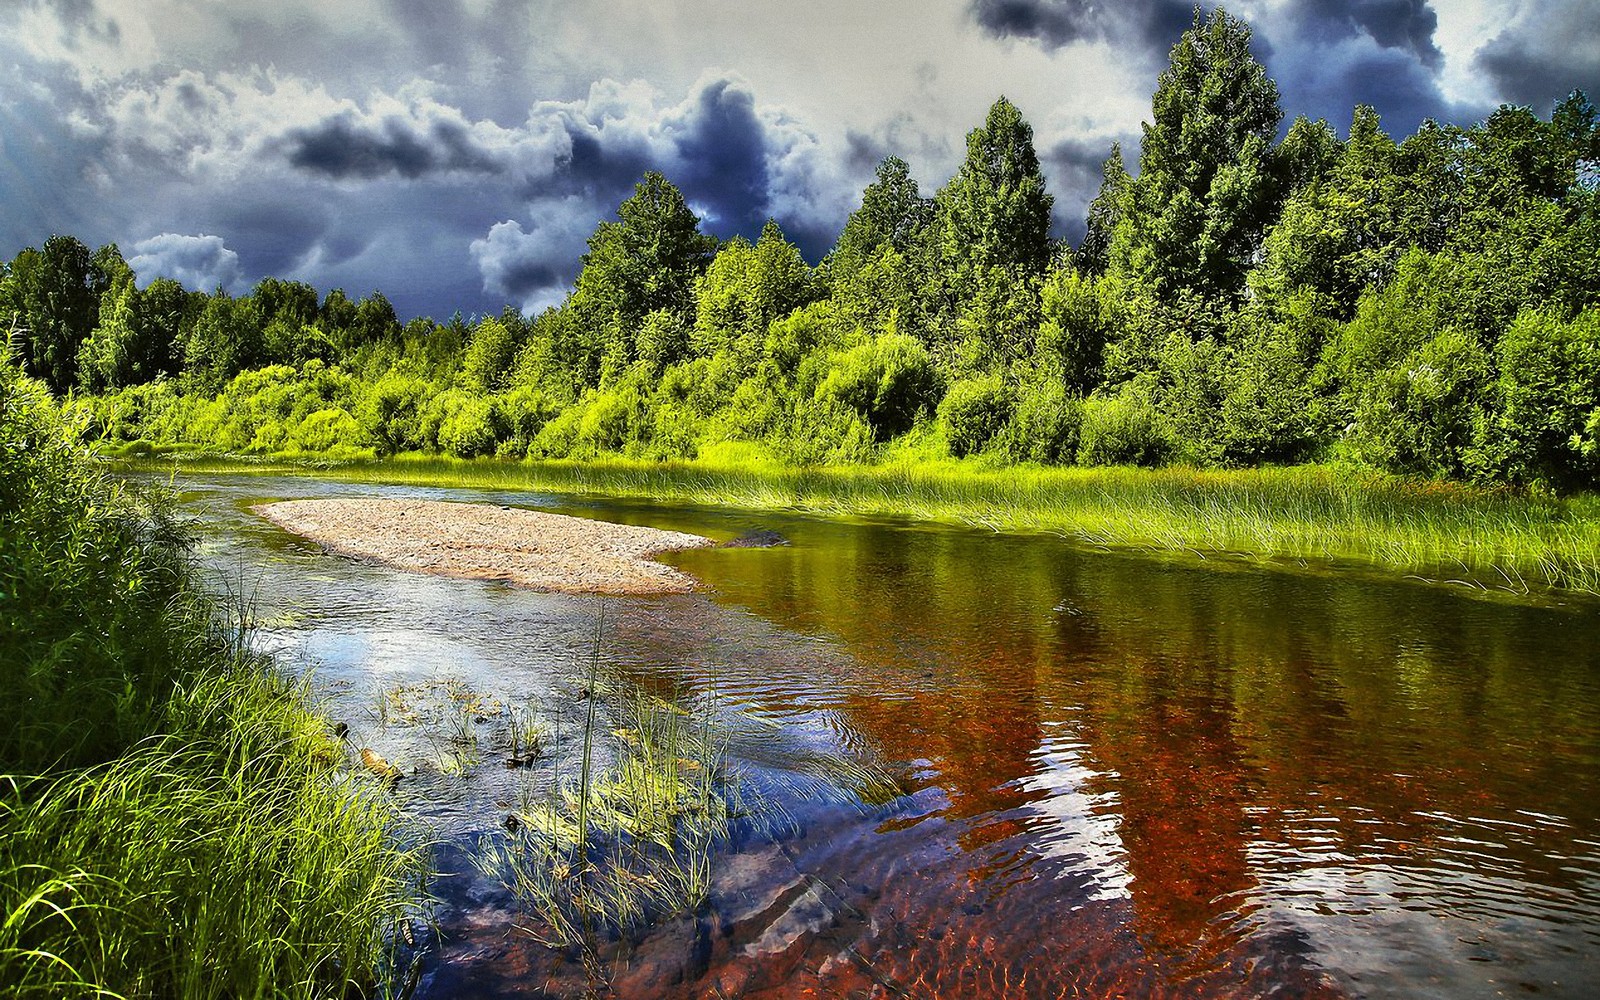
<point x="1248" y="295"/>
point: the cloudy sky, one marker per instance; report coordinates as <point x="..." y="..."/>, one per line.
<point x="456" y="154"/>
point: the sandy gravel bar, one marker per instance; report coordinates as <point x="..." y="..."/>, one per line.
<point x="573" y="555"/>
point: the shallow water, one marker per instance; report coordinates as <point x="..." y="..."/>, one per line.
<point x="1123" y="776"/>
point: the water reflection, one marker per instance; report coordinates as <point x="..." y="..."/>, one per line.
<point x="1125" y="776"/>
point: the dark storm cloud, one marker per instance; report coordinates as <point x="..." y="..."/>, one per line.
<point x="518" y="264"/>
<point x="1153" y="24"/>
<point x="1552" y="48"/>
<point x="723" y="146"/>
<point x="1407" y="25"/>
<point x="343" y="147"/>
<point x="1403" y="92"/>
<point x="40" y="148"/>
<point x="1326" y="55"/>
<point x="863" y="152"/>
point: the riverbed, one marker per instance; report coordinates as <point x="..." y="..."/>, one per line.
<point x="1117" y="775"/>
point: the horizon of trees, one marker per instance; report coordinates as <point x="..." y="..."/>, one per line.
<point x="1429" y="306"/>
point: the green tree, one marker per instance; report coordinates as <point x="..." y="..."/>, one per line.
<point x="488" y="356"/>
<point x="1205" y="188"/>
<point x="337" y="316"/>
<point x="53" y="295"/>
<point x="224" y="341"/>
<point x="1338" y="233"/>
<point x="1105" y="212"/>
<point x="375" y="322"/>
<point x="648" y="259"/>
<point x="745" y="289"/>
<point x="892" y="212"/>
<point x="991" y="244"/>
<point x="289" y="311"/>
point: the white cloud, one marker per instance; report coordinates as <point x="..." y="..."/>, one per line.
<point x="201" y="261"/>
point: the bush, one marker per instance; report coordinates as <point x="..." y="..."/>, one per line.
<point x="525" y="412"/>
<point x="1044" y="427"/>
<point x="1546" y="398"/>
<point x="470" y="428"/>
<point x="825" y="431"/>
<point x="889" y="381"/>
<point x="559" y="436"/>
<point x="390" y="412"/>
<point x="330" y="431"/>
<point x="1269" y="413"/>
<point x="1122" y="430"/>
<point x="1421" y="416"/>
<point x="973" y="412"/>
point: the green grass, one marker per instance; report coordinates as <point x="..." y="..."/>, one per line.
<point x="1493" y="539"/>
<point x="174" y="819"/>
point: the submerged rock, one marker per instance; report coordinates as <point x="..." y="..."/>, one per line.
<point x="757" y="538"/>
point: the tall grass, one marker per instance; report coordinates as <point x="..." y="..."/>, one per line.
<point x="1494" y="538"/>
<point x="174" y="820"/>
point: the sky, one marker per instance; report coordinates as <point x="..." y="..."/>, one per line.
<point x="457" y="154"/>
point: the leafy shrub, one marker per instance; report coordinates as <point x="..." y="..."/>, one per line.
<point x="330" y="431"/>
<point x="1269" y="413"/>
<point x="973" y="412"/>
<point x="1122" y="430"/>
<point x="559" y="436"/>
<point x="1044" y="426"/>
<point x="889" y="381"/>
<point x="1547" y="396"/>
<point x="1421" y="415"/>
<point x="390" y="412"/>
<point x="525" y="411"/>
<point x="825" y="431"/>
<point x="488" y="356"/>
<point x="470" y="428"/>
<point x="759" y="406"/>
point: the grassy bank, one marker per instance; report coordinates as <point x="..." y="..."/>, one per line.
<point x="174" y="819"/>
<point x="1498" y="539"/>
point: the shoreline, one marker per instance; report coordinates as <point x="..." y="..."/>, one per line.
<point x="527" y="548"/>
<point x="1492" y="542"/>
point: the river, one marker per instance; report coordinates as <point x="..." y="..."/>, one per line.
<point x="1119" y="775"/>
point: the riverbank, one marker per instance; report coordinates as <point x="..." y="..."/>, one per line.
<point x="175" y="819"/>
<point x="1498" y="540"/>
<point x="528" y="548"/>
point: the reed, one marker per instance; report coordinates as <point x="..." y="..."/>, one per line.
<point x="661" y="789"/>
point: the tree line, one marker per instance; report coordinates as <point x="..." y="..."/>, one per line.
<point x="1429" y="306"/>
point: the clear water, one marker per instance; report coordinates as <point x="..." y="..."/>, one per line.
<point x="1124" y="776"/>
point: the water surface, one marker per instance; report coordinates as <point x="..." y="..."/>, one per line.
<point x="1122" y="776"/>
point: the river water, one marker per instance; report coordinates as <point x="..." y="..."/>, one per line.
<point x="1120" y="775"/>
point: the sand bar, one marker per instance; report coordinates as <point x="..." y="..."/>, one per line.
<point x="530" y="548"/>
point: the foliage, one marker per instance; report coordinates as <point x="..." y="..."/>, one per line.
<point x="1044" y="426"/>
<point x="1121" y="430"/>
<point x="1242" y="300"/>
<point x="889" y="380"/>
<point x="1205" y="187"/>
<point x="1548" y="396"/>
<point x="172" y="818"/>
<point x="973" y="411"/>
